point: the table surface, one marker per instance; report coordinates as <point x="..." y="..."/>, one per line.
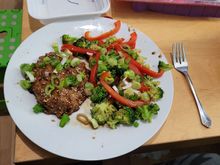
<point x="201" y="36"/>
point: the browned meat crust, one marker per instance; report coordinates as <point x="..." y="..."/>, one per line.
<point x="65" y="100"/>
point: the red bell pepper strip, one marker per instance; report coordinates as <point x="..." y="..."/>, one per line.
<point x="106" y="34"/>
<point x="75" y="49"/>
<point x="142" y="68"/>
<point x="117" y="42"/>
<point x="94" y="69"/>
<point x="132" y="40"/>
<point x="144" y="88"/>
<point x="134" y="68"/>
<point x="116" y="96"/>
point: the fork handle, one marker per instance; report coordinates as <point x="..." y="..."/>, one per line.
<point x="206" y="121"/>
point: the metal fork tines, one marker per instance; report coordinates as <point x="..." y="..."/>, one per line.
<point x="180" y="63"/>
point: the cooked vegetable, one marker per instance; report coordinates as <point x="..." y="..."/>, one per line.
<point x="117" y="96"/>
<point x="88" y="88"/>
<point x="55" y="47"/>
<point x="106" y="34"/>
<point x="38" y="108"/>
<point x="94" y="69"/>
<point x="25" y="84"/>
<point x="132" y="40"/>
<point x="64" y="120"/>
<point x="98" y="94"/>
<point x="26" y="68"/>
<point x="67" y="39"/>
<point x="163" y="66"/>
<point x="75" y="49"/>
<point x="49" y="89"/>
<point x="147" y="112"/>
<point x="75" y="62"/>
<point x="102" y="112"/>
<point x="121" y="86"/>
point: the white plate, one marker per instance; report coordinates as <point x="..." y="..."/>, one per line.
<point x="74" y="140"/>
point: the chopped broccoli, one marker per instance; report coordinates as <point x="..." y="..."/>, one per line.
<point x="75" y="62"/>
<point x="70" y="80"/>
<point x="136" y="85"/>
<point x="129" y="74"/>
<point x="116" y="71"/>
<point x="84" y="43"/>
<point x="163" y="66"/>
<point x="146" y="112"/>
<point x="102" y="112"/>
<point x="67" y="39"/>
<point x="112" y="123"/>
<point x="132" y="52"/>
<point x="98" y="94"/>
<point x="156" y="93"/>
<point x="110" y="40"/>
<point x="125" y="116"/>
<point x="102" y="67"/>
<point x="112" y="61"/>
<point x="145" y="96"/>
<point x="123" y="63"/>
<point x="88" y="88"/>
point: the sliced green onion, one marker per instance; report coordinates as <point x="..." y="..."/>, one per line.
<point x="136" y="85"/>
<point x="55" y="47"/>
<point x="75" y="62"/>
<point x="49" y="89"/>
<point x="64" y="60"/>
<point x="46" y="60"/>
<point x="59" y="67"/>
<point x="25" y="84"/>
<point x="64" y="120"/>
<point x="38" y="108"/>
<point x="30" y="76"/>
<point x="80" y="76"/>
<point x="26" y="67"/>
<point x="109" y="80"/>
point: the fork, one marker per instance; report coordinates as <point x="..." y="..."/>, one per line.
<point x="180" y="63"/>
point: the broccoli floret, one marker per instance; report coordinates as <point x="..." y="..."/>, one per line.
<point x="98" y="94"/>
<point x="156" y="93"/>
<point x="163" y="66"/>
<point x="146" y="112"/>
<point x="125" y="116"/>
<point x="67" y="39"/>
<point x="132" y="52"/>
<point x="116" y="71"/>
<point x="84" y="43"/>
<point x="112" y="123"/>
<point x="102" y="112"/>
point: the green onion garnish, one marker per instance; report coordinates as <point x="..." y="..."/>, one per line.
<point x="64" y="120"/>
<point x="38" y="108"/>
<point x="49" y="89"/>
<point x="25" y="84"/>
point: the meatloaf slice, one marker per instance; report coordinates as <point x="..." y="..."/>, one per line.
<point x="60" y="100"/>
